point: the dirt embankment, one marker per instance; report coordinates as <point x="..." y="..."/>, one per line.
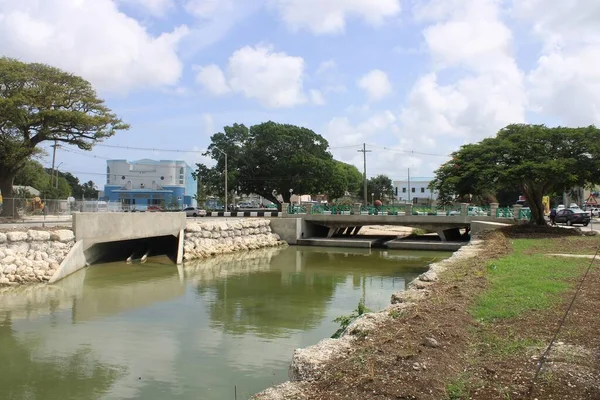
<point x="434" y="348"/>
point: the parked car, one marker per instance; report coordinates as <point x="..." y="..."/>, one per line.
<point x="570" y="217"/>
<point x="194" y="212"/>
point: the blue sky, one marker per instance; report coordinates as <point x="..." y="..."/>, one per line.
<point x="404" y="76"/>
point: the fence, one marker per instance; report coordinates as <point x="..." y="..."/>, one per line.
<point x="31" y="208"/>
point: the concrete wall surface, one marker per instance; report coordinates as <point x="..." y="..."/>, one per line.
<point x="74" y="261"/>
<point x="92" y="228"/>
<point x="288" y="229"/>
<point x="479" y="227"/>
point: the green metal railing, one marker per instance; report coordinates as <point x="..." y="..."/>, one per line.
<point x="296" y="209"/>
<point x="525" y="214"/>
<point x="504" y="212"/>
<point x="327" y="209"/>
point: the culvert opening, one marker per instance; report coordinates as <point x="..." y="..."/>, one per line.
<point x="133" y="250"/>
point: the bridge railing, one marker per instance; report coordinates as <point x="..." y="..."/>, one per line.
<point x="296" y="209"/>
<point x="328" y="209"/>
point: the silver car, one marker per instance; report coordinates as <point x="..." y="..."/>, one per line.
<point x="194" y="212"/>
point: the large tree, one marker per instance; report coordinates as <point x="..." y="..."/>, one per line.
<point x="536" y="159"/>
<point x="269" y="159"/>
<point x="38" y="104"/>
<point x="380" y="187"/>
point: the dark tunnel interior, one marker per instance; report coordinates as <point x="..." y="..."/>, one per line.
<point x="119" y="251"/>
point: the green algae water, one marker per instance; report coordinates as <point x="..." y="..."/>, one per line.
<point x="203" y="331"/>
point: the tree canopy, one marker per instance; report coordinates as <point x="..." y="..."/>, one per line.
<point x="272" y="157"/>
<point x="537" y="159"/>
<point x="40" y="103"/>
<point x="380" y="187"/>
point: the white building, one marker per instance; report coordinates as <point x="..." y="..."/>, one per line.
<point x="148" y="182"/>
<point x="418" y="188"/>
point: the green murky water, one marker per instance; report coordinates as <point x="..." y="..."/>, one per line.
<point x="155" y="331"/>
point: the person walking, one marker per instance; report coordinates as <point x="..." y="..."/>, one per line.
<point x="553" y="217"/>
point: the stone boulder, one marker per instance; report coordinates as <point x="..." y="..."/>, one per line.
<point x="16" y="236"/>
<point x="62" y="235"/>
<point x="38" y="236"/>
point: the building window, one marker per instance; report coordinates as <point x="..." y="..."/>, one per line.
<point x="422" y="190"/>
<point x="181" y="175"/>
<point x="403" y="190"/>
<point x="412" y="190"/>
<point x="108" y="175"/>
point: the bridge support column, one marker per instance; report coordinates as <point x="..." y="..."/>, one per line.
<point x="452" y="234"/>
<point x="349" y="231"/>
<point x="356" y="230"/>
<point x="332" y="231"/>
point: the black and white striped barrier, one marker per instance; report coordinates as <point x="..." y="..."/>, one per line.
<point x="243" y="214"/>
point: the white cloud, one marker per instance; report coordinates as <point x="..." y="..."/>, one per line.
<point x="326" y="66"/>
<point x="213" y="79"/>
<point x="466" y="36"/>
<point x="274" y="79"/>
<point x="328" y="17"/>
<point x="565" y="83"/>
<point x="316" y="97"/>
<point x="157" y="8"/>
<point x="376" y="84"/>
<point x="209" y="8"/>
<point x="91" y="39"/>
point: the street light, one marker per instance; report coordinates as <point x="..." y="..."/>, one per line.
<point x="291" y="191"/>
<point x="225" y="154"/>
<point x="373" y="199"/>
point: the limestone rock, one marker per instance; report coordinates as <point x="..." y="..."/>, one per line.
<point x="307" y="363"/>
<point x="8" y="260"/>
<point x="16" y="236"/>
<point x="38" y="236"/>
<point x="62" y="235"/>
<point x="4" y="281"/>
<point x="431" y="342"/>
<point x="2" y="237"/>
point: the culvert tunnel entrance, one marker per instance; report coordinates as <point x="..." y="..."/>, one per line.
<point x="133" y="250"/>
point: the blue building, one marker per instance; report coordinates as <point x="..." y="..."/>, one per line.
<point x="139" y="184"/>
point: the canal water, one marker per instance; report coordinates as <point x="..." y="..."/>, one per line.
<point x="205" y="331"/>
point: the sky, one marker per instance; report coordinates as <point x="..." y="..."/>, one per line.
<point x="413" y="79"/>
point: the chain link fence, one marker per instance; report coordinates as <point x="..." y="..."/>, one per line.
<point x="37" y="208"/>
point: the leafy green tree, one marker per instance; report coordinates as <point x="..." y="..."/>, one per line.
<point x="536" y="159"/>
<point x="32" y="174"/>
<point x="39" y="103"/>
<point x="271" y="157"/>
<point x="381" y="186"/>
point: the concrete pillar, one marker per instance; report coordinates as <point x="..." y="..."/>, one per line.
<point x="464" y="207"/>
<point x="309" y="208"/>
<point x="356" y="208"/>
<point x="494" y="209"/>
<point x="408" y="209"/>
<point x="331" y="232"/>
<point x="284" y="209"/>
<point x="517" y="211"/>
<point x="356" y="230"/>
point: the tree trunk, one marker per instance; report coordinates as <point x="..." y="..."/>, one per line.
<point x="534" y="199"/>
<point x="270" y="197"/>
<point x="8" y="202"/>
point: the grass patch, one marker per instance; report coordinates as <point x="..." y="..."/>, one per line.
<point x="523" y="282"/>
<point x="505" y="346"/>
<point x="566" y="245"/>
<point x="458" y="388"/>
<point x="418" y="232"/>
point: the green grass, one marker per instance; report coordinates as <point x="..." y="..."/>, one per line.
<point x="458" y="388"/>
<point x="525" y="282"/>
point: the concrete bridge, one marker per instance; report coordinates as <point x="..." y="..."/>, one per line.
<point x="448" y="227"/>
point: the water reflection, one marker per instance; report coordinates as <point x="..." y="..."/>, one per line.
<point x="153" y="332"/>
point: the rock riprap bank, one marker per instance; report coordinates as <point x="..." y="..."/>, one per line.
<point x="33" y="255"/>
<point x="208" y="238"/>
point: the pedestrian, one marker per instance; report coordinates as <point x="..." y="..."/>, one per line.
<point x="552" y="216"/>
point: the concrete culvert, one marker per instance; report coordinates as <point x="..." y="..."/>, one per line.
<point x="136" y="248"/>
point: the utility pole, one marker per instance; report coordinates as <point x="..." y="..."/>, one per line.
<point x="409" y="185"/>
<point x="365" y="151"/>
<point x="53" y="160"/>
